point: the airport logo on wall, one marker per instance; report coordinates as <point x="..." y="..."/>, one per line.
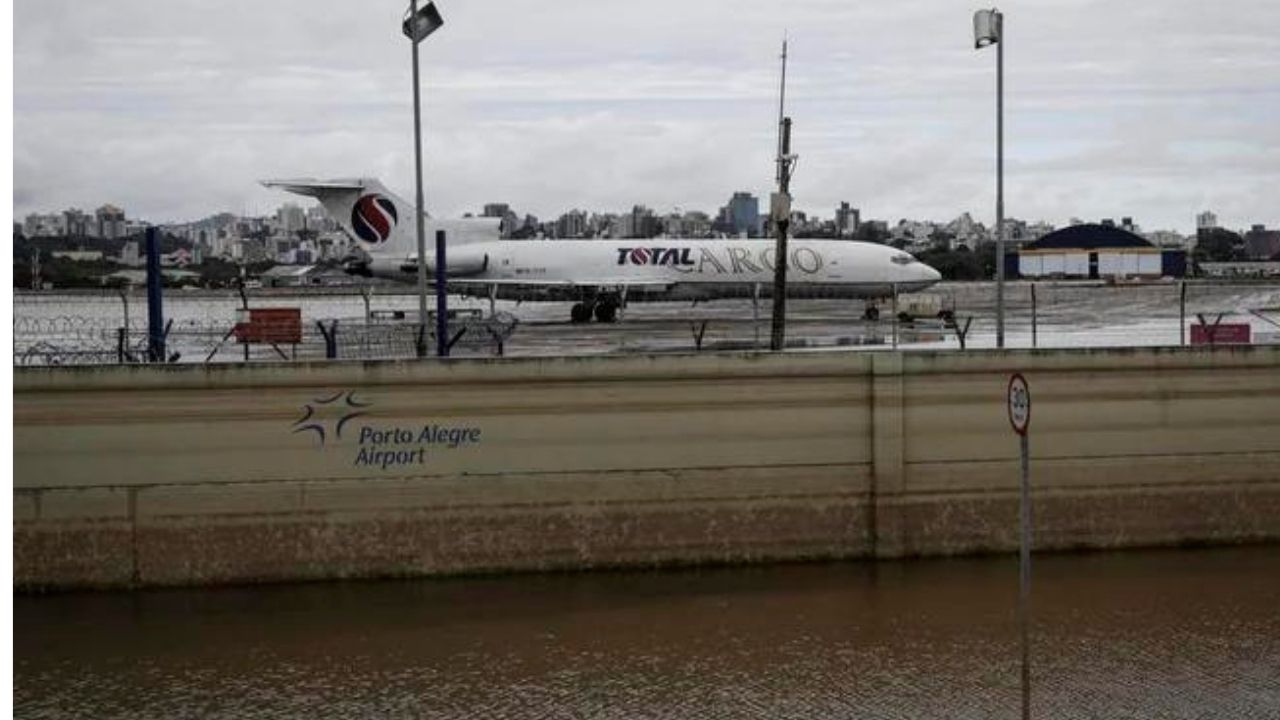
<point x="381" y="447"/>
<point x="373" y="218"/>
<point x="327" y="416"/>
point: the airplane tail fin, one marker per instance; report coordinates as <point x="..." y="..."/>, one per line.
<point x="380" y="221"/>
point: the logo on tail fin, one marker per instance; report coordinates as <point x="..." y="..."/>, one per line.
<point x="373" y="218"/>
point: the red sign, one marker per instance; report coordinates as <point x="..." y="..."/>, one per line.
<point x="270" y="325"/>
<point x="1222" y="334"/>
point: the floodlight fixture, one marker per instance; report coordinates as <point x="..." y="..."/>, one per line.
<point x="986" y="27"/>
<point x="421" y="22"/>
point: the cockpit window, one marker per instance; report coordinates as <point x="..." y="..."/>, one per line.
<point x="903" y="259"/>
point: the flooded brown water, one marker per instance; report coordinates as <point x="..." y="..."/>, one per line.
<point x="1160" y="634"/>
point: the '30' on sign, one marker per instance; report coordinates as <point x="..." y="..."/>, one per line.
<point x="1019" y="404"/>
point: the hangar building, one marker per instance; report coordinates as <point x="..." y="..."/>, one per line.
<point x="1094" y="251"/>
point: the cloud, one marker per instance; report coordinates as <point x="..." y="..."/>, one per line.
<point x="1150" y="108"/>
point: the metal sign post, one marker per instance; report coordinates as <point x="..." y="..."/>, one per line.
<point x="1020" y="419"/>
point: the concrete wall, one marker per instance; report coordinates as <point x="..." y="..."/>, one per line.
<point x="178" y="475"/>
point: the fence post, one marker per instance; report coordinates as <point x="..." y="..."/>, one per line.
<point x="1182" y="314"/>
<point x="155" y="295"/>
<point x="698" y="332"/>
<point x="1211" y="330"/>
<point x="1034" y="317"/>
<point x="330" y="335"/>
<point x="962" y="332"/>
<point x="442" y="303"/>
<point x="895" y="316"/>
<point x="244" y="305"/>
<point x="168" y="327"/>
<point x="124" y="298"/>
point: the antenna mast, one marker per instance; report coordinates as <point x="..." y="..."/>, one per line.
<point x="782" y="100"/>
<point x="780" y="212"/>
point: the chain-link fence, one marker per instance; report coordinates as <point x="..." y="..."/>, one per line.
<point x="1102" y="314"/>
<point x="105" y="328"/>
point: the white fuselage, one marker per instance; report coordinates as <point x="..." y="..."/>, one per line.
<point x="661" y="268"/>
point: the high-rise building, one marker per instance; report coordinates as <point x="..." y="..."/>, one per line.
<point x="76" y="223"/>
<point x="1261" y="243"/>
<point x="847" y="220"/>
<point x="572" y="224"/>
<point x="318" y="219"/>
<point x="639" y="223"/>
<point x="292" y="218"/>
<point x="44" y="225"/>
<point x="510" y="221"/>
<point x="604" y="225"/>
<point x="1206" y="220"/>
<point x="743" y="214"/>
<point x="110" y="222"/>
<point x="695" y="224"/>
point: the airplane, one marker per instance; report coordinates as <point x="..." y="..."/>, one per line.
<point x="600" y="276"/>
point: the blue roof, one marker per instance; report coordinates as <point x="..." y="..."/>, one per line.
<point x="1088" y="237"/>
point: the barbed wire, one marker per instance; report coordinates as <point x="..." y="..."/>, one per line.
<point x="50" y="354"/>
<point x="90" y="329"/>
<point x="59" y="324"/>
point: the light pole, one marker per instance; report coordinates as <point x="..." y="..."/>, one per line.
<point x="418" y="24"/>
<point x="988" y="29"/>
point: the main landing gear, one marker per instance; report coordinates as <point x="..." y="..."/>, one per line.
<point x="605" y="311"/>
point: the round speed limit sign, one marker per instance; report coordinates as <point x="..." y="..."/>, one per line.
<point x="1019" y="404"/>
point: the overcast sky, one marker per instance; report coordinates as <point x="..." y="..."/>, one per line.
<point x="173" y="110"/>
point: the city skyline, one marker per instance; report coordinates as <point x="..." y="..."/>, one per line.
<point x="315" y="211"/>
<point x="177" y="110"/>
